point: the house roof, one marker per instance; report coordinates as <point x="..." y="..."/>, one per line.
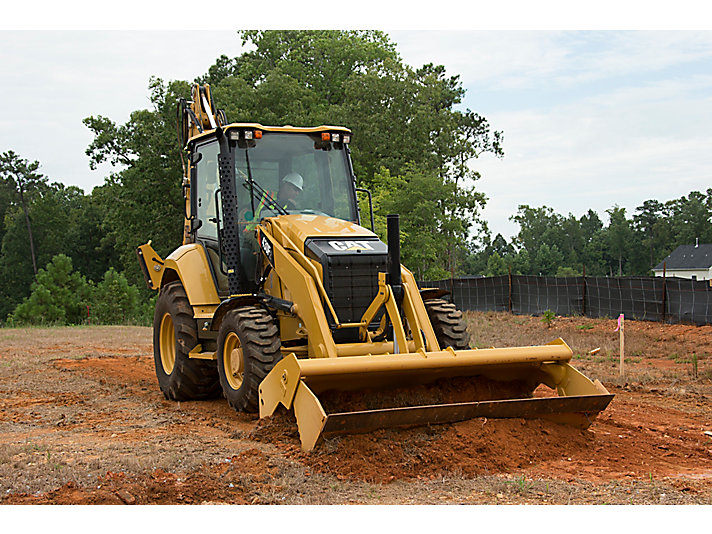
<point x="687" y="257"/>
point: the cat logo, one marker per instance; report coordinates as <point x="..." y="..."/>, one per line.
<point x="343" y="246"/>
<point x="267" y="248"/>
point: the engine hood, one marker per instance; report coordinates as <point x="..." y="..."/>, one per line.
<point x="301" y="227"/>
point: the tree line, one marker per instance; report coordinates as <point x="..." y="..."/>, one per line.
<point x="552" y="244"/>
<point x="412" y="147"/>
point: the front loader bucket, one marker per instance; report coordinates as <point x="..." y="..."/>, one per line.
<point x="295" y="383"/>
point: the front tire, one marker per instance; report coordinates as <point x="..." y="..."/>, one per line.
<point x="175" y="333"/>
<point x="248" y="348"/>
<point x="449" y="324"/>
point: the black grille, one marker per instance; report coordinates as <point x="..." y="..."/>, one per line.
<point x="351" y="268"/>
<point x="352" y="284"/>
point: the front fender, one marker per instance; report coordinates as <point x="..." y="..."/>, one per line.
<point x="187" y="263"/>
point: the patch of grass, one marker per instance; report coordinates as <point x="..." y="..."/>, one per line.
<point x="694" y="366"/>
<point x="34" y="447"/>
<point x="520" y="484"/>
<point x="585" y="326"/>
<point x="371" y="493"/>
<point x="548" y="318"/>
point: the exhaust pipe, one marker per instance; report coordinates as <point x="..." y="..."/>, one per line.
<point x="394" y="262"/>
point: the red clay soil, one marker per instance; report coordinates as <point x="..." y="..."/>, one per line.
<point x="444" y="391"/>
<point x="627" y="440"/>
<point x="653" y="428"/>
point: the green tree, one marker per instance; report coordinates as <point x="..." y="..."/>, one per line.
<point x="23" y="178"/>
<point x="591" y="227"/>
<point x="647" y="224"/>
<point x="496" y="265"/>
<point x="321" y="60"/>
<point x="115" y="301"/>
<point x="690" y="219"/>
<point x="434" y="214"/>
<point x="619" y="236"/>
<point x="51" y="210"/>
<point x="521" y="263"/>
<point x="536" y="227"/>
<point x="91" y="250"/>
<point x="548" y="259"/>
<point x="59" y="296"/>
<point x="142" y="200"/>
<point x="567" y="271"/>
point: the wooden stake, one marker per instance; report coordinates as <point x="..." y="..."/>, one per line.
<point x="621" y="320"/>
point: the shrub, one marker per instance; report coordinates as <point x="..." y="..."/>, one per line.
<point x="115" y="301"/>
<point x="59" y="296"/>
<point x="548" y="318"/>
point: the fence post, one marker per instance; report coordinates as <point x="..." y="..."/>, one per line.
<point x="664" y="291"/>
<point x="509" y="302"/>
<point x="621" y="328"/>
<point x="583" y="298"/>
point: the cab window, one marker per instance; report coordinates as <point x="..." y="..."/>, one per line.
<point x="208" y="182"/>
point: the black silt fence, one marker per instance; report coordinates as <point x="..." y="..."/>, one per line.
<point x="688" y="301"/>
<point x="638" y="298"/>
<point x="673" y="300"/>
<point x="477" y="294"/>
<point x="535" y="294"/>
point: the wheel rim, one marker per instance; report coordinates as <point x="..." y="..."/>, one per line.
<point x="168" y="344"/>
<point x="233" y="360"/>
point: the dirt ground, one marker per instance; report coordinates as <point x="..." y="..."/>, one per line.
<point x="82" y="421"/>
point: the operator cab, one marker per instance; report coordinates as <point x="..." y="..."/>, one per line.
<point x="278" y="170"/>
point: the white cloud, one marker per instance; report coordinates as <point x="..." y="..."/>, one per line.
<point x="503" y="59"/>
<point x="53" y="80"/>
<point x="590" y="119"/>
<point x="509" y="60"/>
<point x="620" y="147"/>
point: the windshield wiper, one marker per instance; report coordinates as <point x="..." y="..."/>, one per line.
<point x="264" y="196"/>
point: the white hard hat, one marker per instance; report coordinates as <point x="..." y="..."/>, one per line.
<point x="295" y="179"/>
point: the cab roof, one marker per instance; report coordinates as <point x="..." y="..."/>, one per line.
<point x="284" y="129"/>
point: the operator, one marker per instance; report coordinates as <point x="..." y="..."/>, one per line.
<point x="290" y="188"/>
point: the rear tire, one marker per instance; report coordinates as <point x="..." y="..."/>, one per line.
<point x="449" y="324"/>
<point x="175" y="334"/>
<point x="248" y="348"/>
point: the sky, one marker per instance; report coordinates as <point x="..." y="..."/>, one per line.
<point x="590" y="119"/>
<point x="593" y="114"/>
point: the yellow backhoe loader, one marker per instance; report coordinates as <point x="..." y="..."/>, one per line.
<point x="279" y="295"/>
